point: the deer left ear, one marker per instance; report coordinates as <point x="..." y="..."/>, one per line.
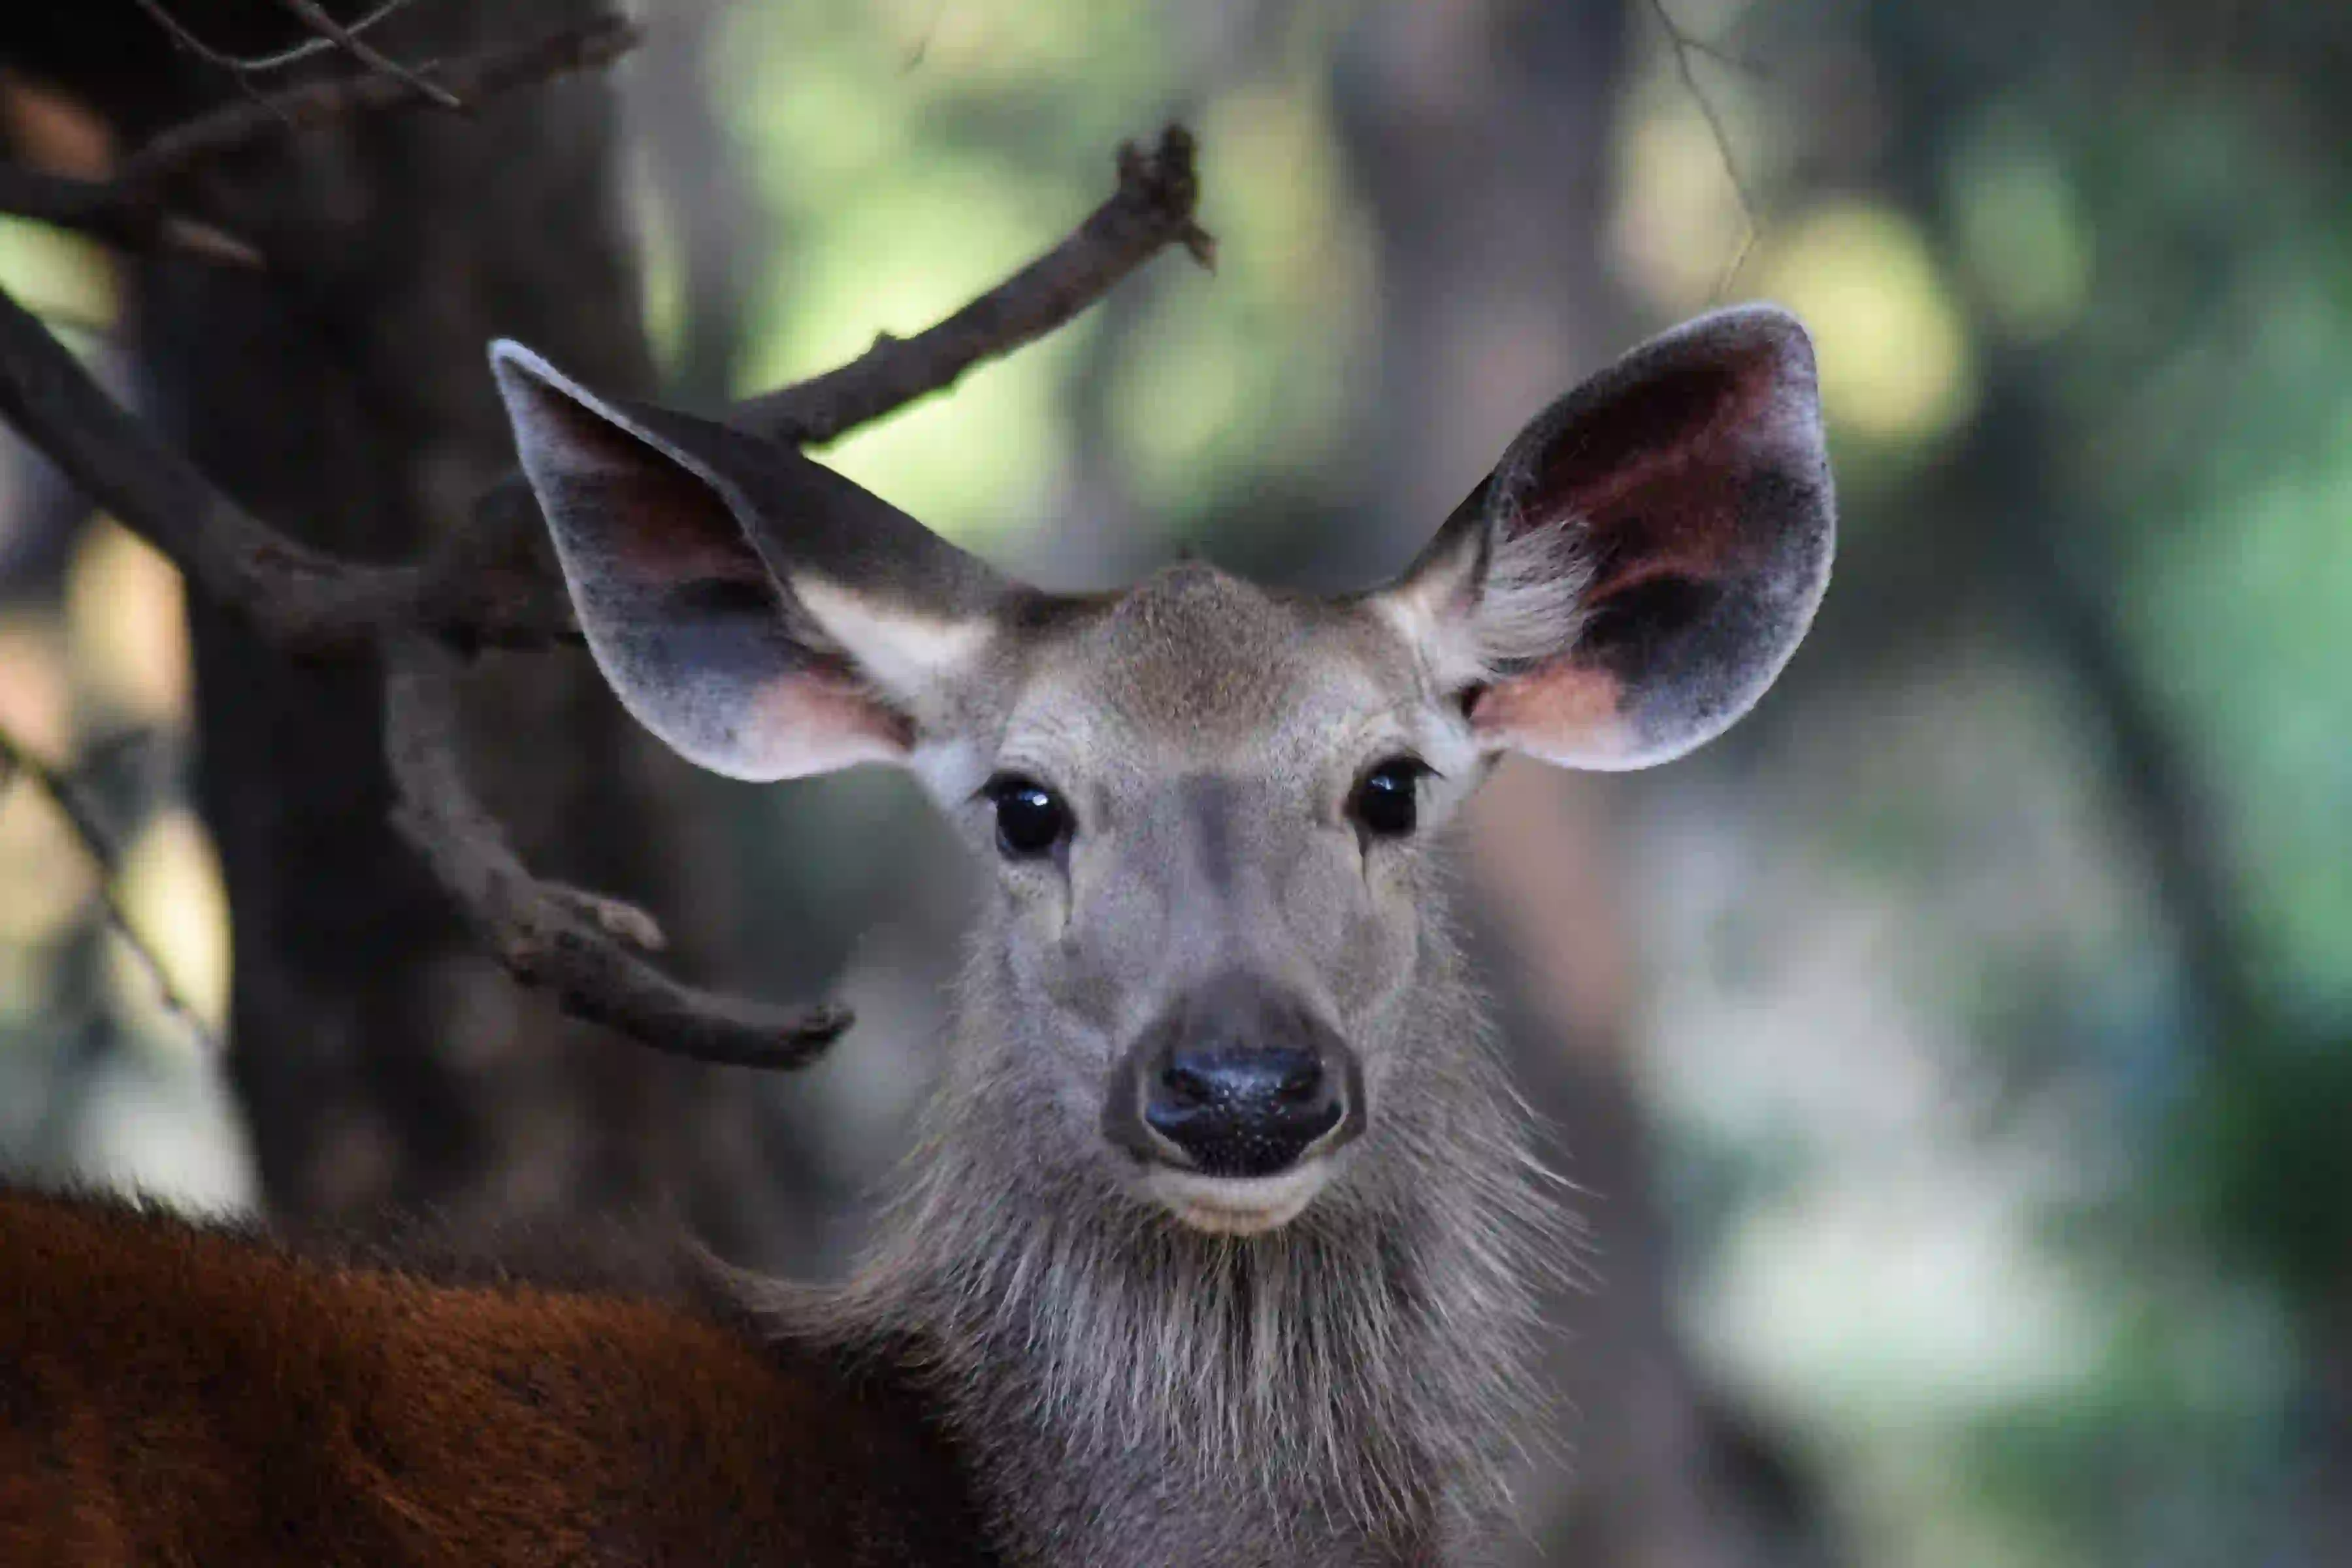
<point x="1646" y="556"/>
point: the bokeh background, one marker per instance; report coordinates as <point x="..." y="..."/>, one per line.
<point x="1958" y="1058"/>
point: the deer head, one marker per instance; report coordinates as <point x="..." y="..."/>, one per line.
<point x="1209" y="807"/>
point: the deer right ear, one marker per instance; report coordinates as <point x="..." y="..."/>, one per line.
<point x="757" y="611"/>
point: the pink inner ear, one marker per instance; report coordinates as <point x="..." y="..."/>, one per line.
<point x="1569" y="698"/>
<point x="662" y="539"/>
<point x="662" y="525"/>
<point x="834" y="720"/>
<point x="1656" y="474"/>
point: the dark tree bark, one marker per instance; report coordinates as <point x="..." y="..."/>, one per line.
<point x="342" y="394"/>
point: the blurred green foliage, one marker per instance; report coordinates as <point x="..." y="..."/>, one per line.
<point x="911" y="153"/>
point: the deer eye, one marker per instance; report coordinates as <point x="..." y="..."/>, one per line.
<point x="1386" y="803"/>
<point x="1030" y="818"/>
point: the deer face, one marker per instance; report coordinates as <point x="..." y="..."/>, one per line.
<point x="1210" y="809"/>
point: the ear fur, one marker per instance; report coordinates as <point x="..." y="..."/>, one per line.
<point x="1646" y="556"/>
<point x="757" y="611"/>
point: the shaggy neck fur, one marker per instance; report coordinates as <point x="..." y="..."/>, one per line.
<point x="1343" y="1389"/>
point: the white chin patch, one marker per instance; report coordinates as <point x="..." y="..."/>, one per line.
<point x="1234" y="1205"/>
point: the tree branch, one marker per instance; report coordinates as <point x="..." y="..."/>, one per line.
<point x="245" y="65"/>
<point x="348" y="39"/>
<point x="293" y="596"/>
<point x="81" y="820"/>
<point x="107" y="211"/>
<point x="134" y="211"/>
<point x="1686" y="47"/>
<point x="547" y="934"/>
<point x="1153" y="208"/>
<point x="174" y="153"/>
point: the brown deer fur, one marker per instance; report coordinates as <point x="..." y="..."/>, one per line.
<point x="175" y="1394"/>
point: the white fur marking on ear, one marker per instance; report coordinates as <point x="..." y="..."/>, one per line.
<point x="1531" y="605"/>
<point x="1527" y="607"/>
<point x="907" y="655"/>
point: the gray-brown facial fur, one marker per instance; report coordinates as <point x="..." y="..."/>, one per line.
<point x="1218" y="1246"/>
<point x="1207" y="738"/>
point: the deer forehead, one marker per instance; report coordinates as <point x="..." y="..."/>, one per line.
<point x="1196" y="671"/>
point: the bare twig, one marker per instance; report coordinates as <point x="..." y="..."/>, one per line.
<point x="1153" y="208"/>
<point x="588" y="46"/>
<point x="249" y="64"/>
<point x="107" y="211"/>
<point x="348" y="39"/>
<point x="134" y="210"/>
<point x="1729" y="60"/>
<point x="294" y="596"/>
<point x="1688" y="47"/>
<point x="81" y="820"/>
<point x="547" y="936"/>
<point x="923" y="44"/>
<point x="300" y="599"/>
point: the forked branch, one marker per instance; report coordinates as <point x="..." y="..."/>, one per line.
<point x="480" y="586"/>
<point x="587" y="46"/>
<point x="577" y="946"/>
<point x="295" y="597"/>
<point x="348" y="39"/>
<point x="1688" y="47"/>
<point x="187" y="38"/>
<point x="140" y="208"/>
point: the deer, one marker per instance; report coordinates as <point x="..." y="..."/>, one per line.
<point x="1219" y="1242"/>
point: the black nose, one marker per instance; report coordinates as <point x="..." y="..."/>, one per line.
<point x="1243" y="1111"/>
<point x="1240" y="1077"/>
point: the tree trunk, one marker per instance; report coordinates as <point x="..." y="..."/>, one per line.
<point x="343" y="396"/>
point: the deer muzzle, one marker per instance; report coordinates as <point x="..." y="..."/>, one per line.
<point x="1233" y="1099"/>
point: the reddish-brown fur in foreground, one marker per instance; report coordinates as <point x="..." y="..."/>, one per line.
<point x="181" y="1396"/>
